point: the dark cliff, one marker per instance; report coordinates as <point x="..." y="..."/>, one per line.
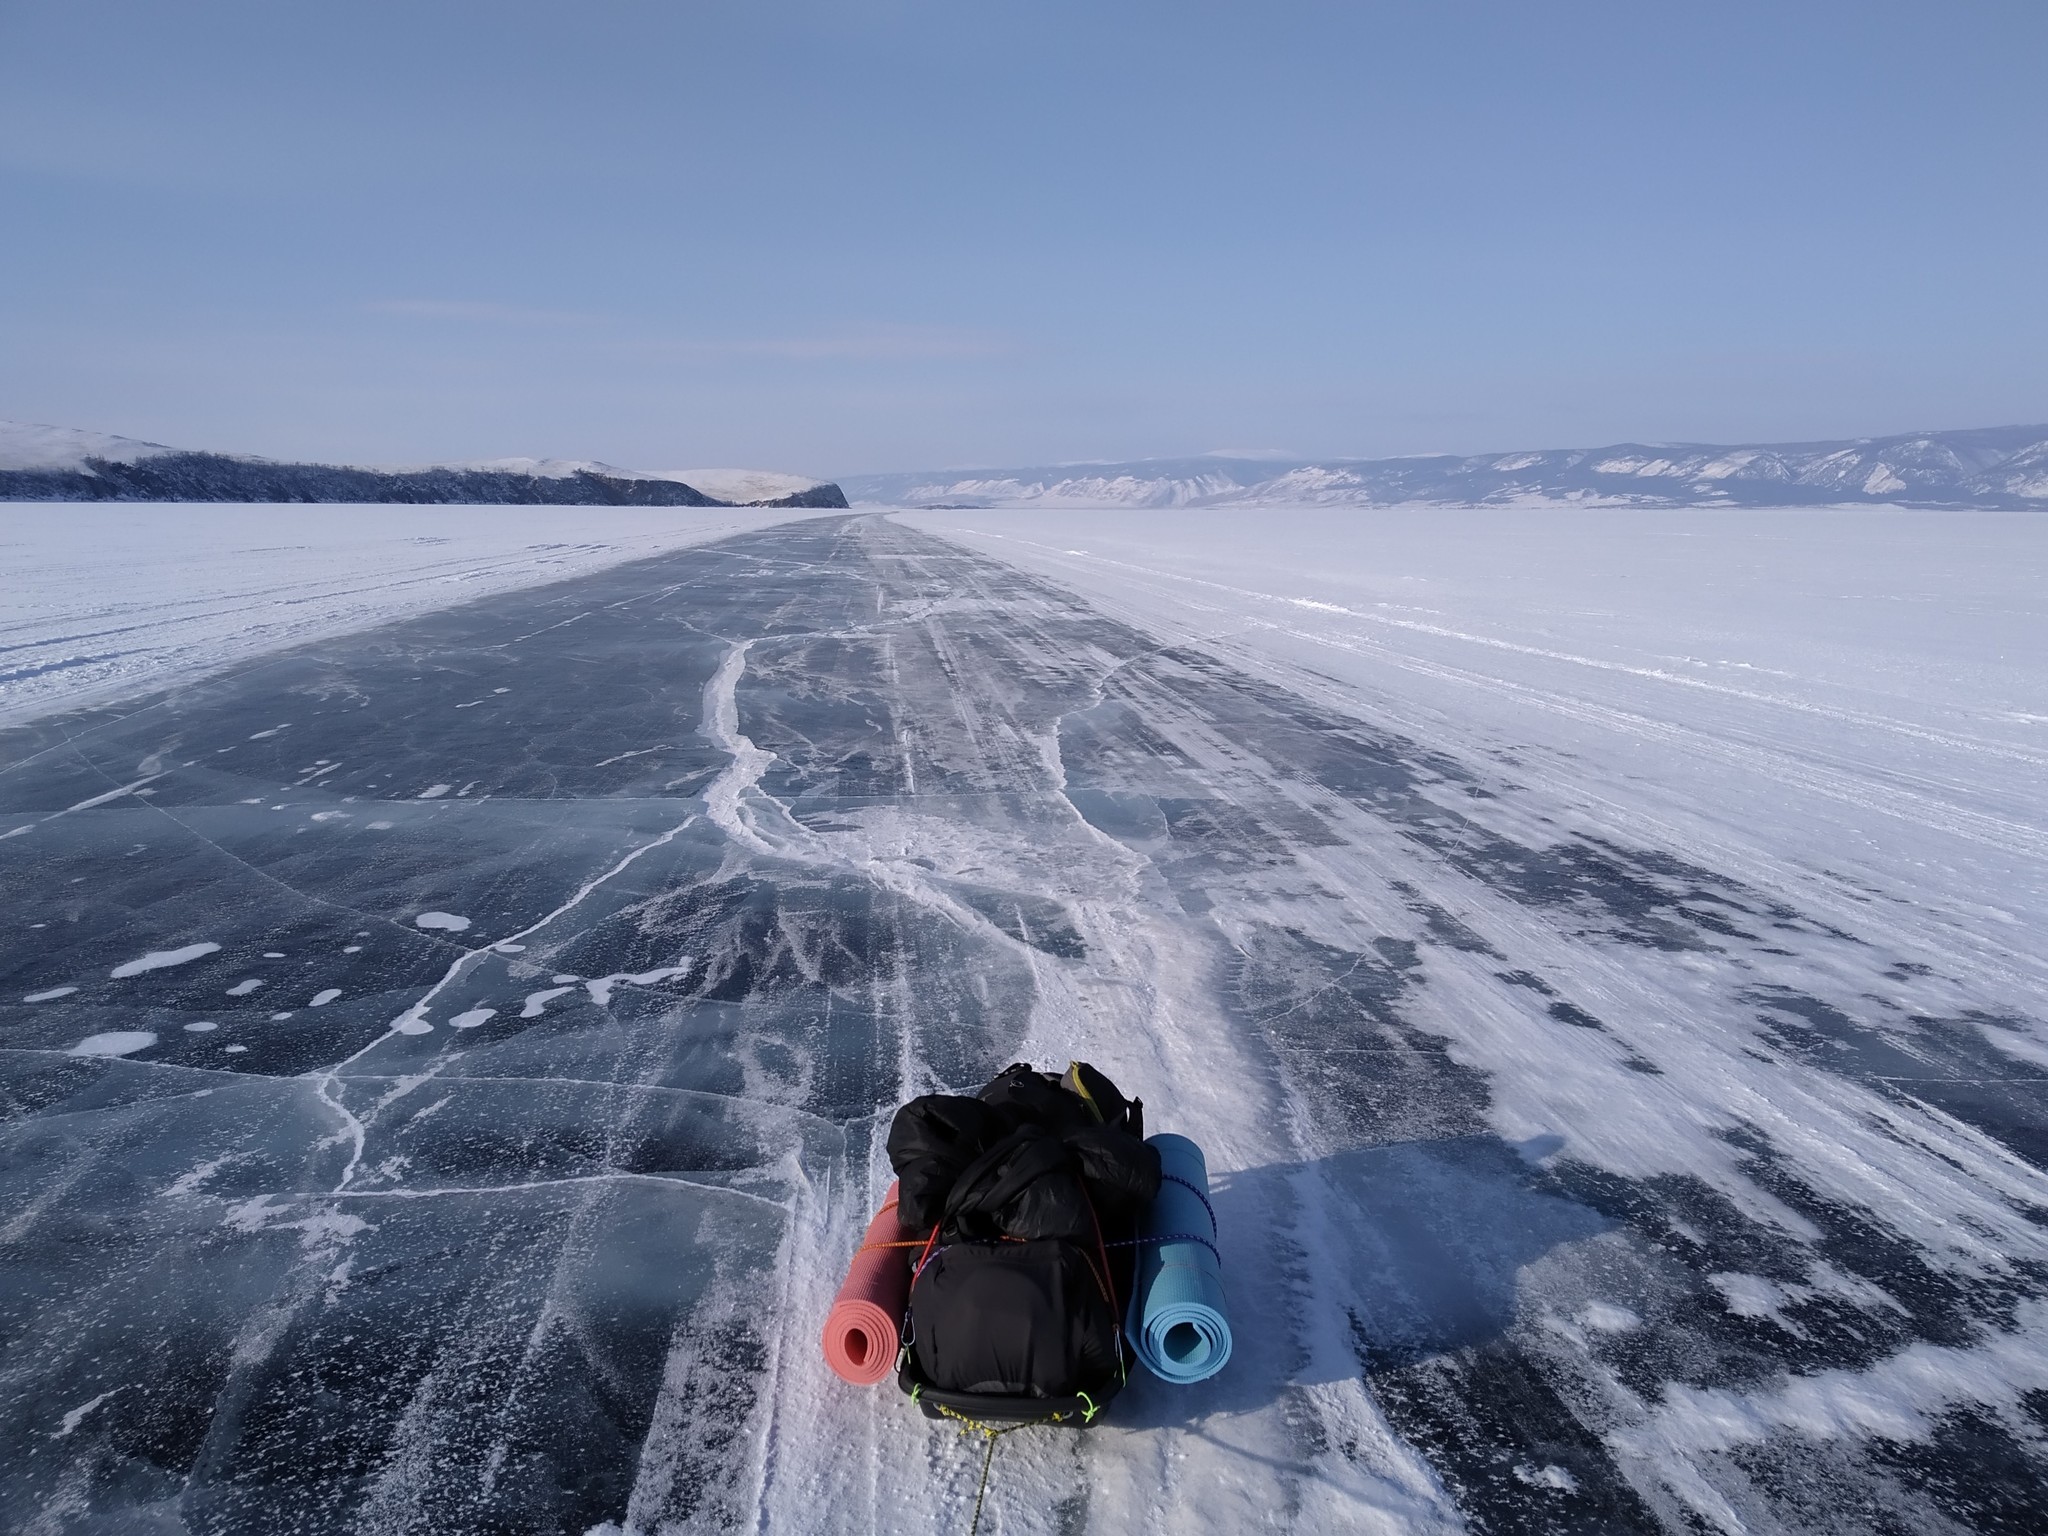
<point x="180" y="476"/>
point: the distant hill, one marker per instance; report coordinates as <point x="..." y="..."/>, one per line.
<point x="1994" y="467"/>
<point x="39" y="463"/>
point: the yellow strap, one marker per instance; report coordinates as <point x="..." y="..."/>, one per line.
<point x="1074" y="1082"/>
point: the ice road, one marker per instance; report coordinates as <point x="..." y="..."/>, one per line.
<point x="444" y="1070"/>
<point x="107" y="598"/>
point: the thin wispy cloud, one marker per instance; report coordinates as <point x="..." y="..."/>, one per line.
<point x="480" y="313"/>
<point x="876" y="233"/>
<point x="641" y="339"/>
<point x="866" y="342"/>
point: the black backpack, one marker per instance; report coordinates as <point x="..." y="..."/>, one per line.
<point x="1029" y="1195"/>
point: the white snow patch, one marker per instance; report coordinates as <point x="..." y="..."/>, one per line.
<point x="115" y="1042"/>
<point x="1898" y="1398"/>
<point x="188" y="1182"/>
<point x="473" y="1017"/>
<point x="446" y="920"/>
<point x="244" y="988"/>
<point x="201" y="1027"/>
<point x="159" y="959"/>
<point x="536" y="1002"/>
<point x="1605" y="1317"/>
<point x="49" y="996"/>
<point x="600" y="987"/>
<point x="433" y="791"/>
<point x="322" y="1228"/>
<point x="98" y="800"/>
<point x="1749" y="1295"/>
<point x="327" y="995"/>
<point x="413" y="1021"/>
<point x="77" y="1415"/>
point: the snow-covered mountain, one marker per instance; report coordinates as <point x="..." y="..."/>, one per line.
<point x="42" y="463"/>
<point x="27" y="445"/>
<point x="1985" y="467"/>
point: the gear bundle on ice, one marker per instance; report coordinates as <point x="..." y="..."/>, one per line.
<point x="1015" y="1308"/>
<point x="1029" y="1253"/>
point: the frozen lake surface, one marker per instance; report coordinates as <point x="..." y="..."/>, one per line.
<point x="104" y="599"/>
<point x="1600" y="954"/>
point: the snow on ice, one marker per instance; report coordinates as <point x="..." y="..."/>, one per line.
<point x="115" y="1042"/>
<point x="1598" y="952"/>
<point x="105" y="600"/>
<point x="158" y="959"/>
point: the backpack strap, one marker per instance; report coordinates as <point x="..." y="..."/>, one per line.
<point x="1105" y="1101"/>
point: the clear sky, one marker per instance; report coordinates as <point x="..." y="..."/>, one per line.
<point x="850" y="235"/>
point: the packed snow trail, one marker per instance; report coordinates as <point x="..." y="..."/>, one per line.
<point x="1567" y="1181"/>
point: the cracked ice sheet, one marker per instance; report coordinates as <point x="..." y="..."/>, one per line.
<point x="1849" y="701"/>
<point x="544" y="1247"/>
<point x="915" y="814"/>
<point x="1782" y="774"/>
<point x="108" y="600"/>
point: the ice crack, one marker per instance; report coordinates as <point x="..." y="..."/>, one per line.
<point x="722" y="801"/>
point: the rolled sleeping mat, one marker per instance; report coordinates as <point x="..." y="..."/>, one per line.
<point x="1177" y="1323"/>
<point x="863" y="1329"/>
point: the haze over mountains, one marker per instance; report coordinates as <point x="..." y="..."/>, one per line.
<point x="40" y="463"/>
<point x="1994" y="467"/>
<point x="1989" y="467"/>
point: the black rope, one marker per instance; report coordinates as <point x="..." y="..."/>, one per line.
<point x="982" y="1492"/>
<point x="993" y="1434"/>
<point x="1174" y="1178"/>
<point x="1170" y="1237"/>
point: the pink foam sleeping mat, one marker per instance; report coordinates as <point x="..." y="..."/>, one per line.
<point x="861" y="1338"/>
